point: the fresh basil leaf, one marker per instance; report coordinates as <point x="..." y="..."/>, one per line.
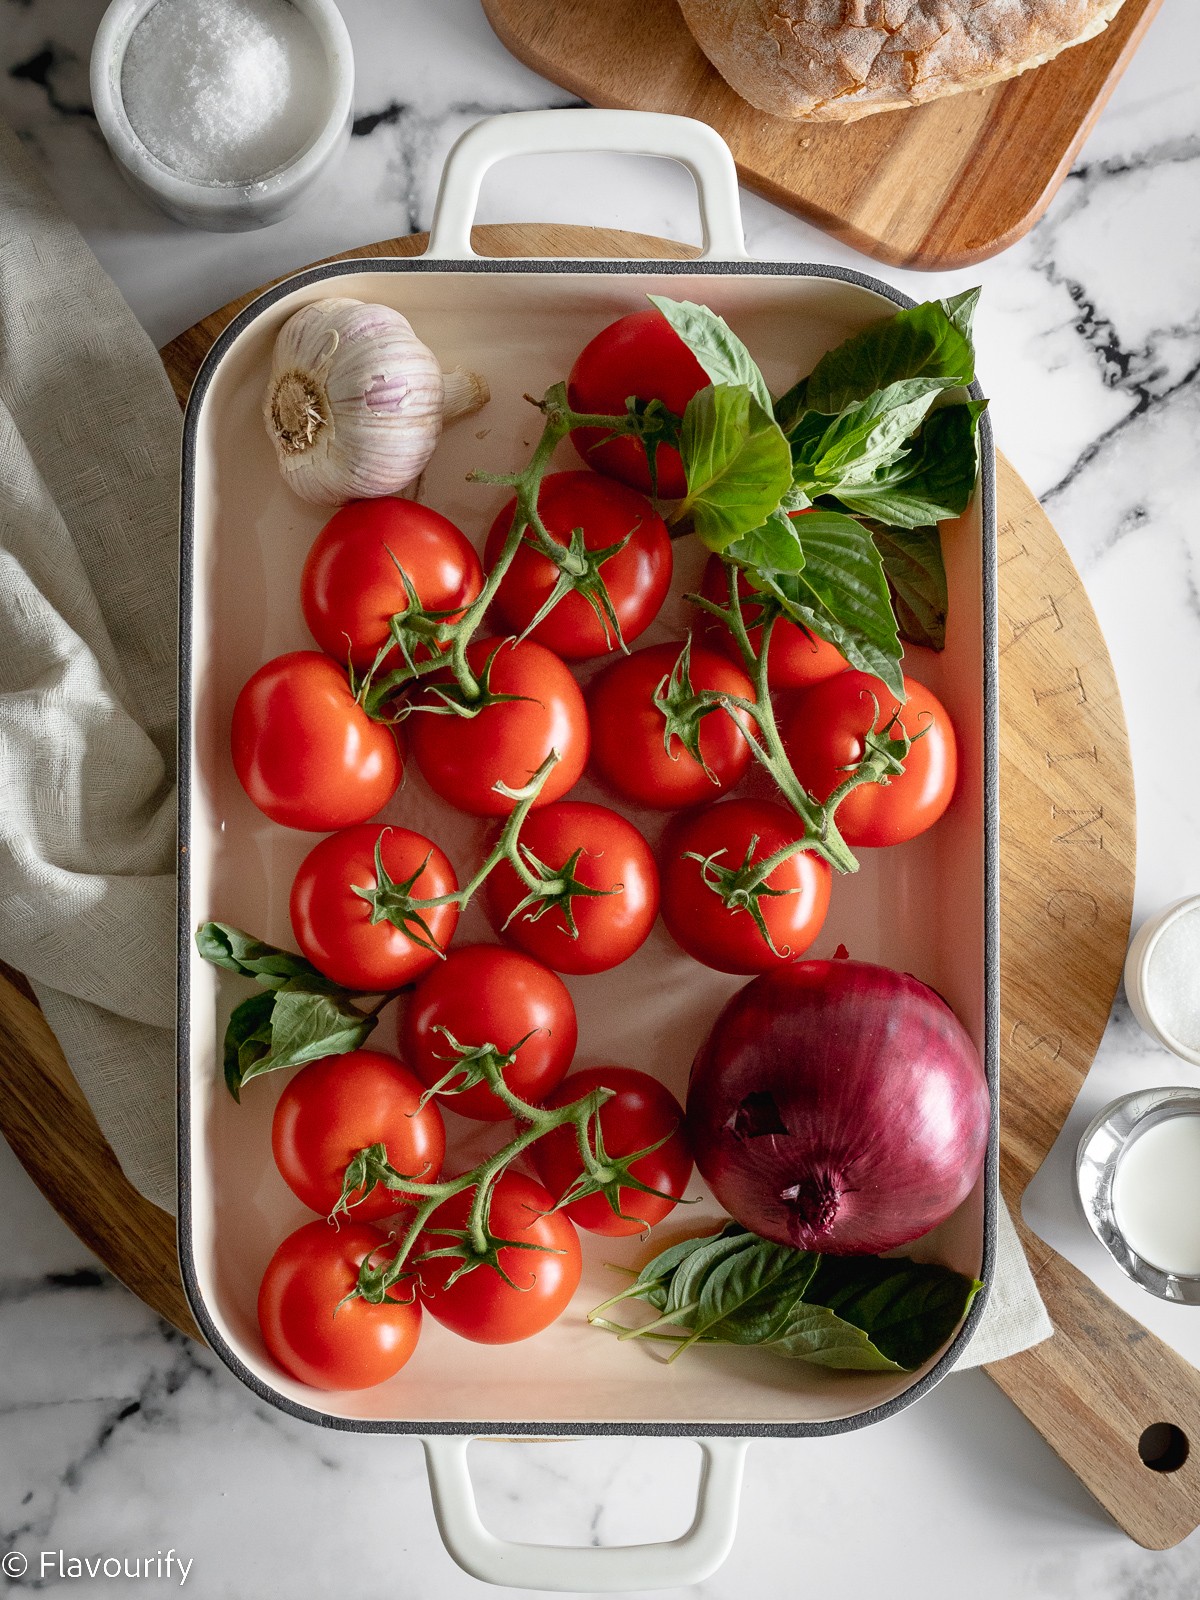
<point x="746" y="1296"/>
<point x="715" y="345"/>
<point x="654" y="1281"/>
<point x="842" y="595"/>
<point x="286" y="1029"/>
<point x="795" y="499"/>
<point x="934" y="479"/>
<point x="861" y="441"/>
<point x="691" y="1274"/>
<point x="247" y="1038"/>
<point x="927" y="341"/>
<point x="815" y="1334"/>
<point x="273" y="968"/>
<point x="916" y="575"/>
<point x="858" y="1313"/>
<point x="775" y="547"/>
<point x="908" y="1308"/>
<point x="738" y="463"/>
<point x="960" y="308"/>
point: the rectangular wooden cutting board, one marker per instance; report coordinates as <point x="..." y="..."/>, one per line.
<point x="943" y="185"/>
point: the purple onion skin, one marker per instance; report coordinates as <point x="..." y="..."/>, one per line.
<point x="838" y="1106"/>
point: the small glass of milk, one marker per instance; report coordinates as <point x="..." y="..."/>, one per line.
<point x="1138" y="1171"/>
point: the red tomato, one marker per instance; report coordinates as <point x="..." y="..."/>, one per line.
<point x="629" y="751"/>
<point x="640" y="1114"/>
<point x="305" y="751"/>
<point x="481" y="1306"/>
<point x="797" y="657"/>
<point x="641" y="355"/>
<point x="609" y="926"/>
<point x="728" y="939"/>
<point x="637" y="578"/>
<point x="351" y="589"/>
<point x="464" y="757"/>
<point x="824" y="734"/>
<point x="335" y="1107"/>
<point x="486" y="994"/>
<point x="333" y="925"/>
<point x="310" y="1335"/>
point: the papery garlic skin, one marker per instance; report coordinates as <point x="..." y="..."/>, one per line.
<point x="355" y="402"/>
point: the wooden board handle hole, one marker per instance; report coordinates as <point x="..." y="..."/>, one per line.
<point x="1163" y="1447"/>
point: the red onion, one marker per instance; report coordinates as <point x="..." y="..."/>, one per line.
<point x="838" y="1106"/>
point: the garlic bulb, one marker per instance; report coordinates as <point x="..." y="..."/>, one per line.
<point x="355" y="402"/>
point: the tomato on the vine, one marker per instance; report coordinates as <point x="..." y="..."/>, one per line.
<point x="611" y="859"/>
<point x="305" y="751"/>
<point x="641" y="1112"/>
<point x="796" y="657"/>
<point x="339" y="1105"/>
<point x="824" y="736"/>
<point x="351" y="586"/>
<point x="464" y="757"/>
<point x="728" y="939"/>
<point x="480" y="1305"/>
<point x="486" y="994"/>
<point x="333" y="925"/>
<point x="636" y="578"/>
<point x="640" y="356"/>
<point x="629" y="747"/>
<point x="306" y="1328"/>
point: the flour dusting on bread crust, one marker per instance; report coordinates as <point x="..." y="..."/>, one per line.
<point x="835" y="60"/>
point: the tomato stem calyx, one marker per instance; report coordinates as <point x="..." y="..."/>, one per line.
<point x="579" y="573"/>
<point x="742" y="888"/>
<point x="392" y="901"/>
<point x="683" y="710"/>
<point x="473" y="1065"/>
<point x="552" y="888"/>
<point x="608" y="1175"/>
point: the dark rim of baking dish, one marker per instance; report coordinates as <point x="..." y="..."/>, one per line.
<point x="991" y="867"/>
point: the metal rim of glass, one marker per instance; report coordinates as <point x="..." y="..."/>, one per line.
<point x="1104" y="1142"/>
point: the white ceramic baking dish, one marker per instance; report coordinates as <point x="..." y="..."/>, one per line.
<point x="929" y="907"/>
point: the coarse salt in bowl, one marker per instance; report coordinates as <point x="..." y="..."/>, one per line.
<point x="223" y="112"/>
<point x="1162" y="977"/>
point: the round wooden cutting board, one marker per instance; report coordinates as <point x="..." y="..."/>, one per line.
<point x="1067" y="829"/>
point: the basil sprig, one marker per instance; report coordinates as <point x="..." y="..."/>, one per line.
<point x="858" y="1313"/>
<point x="302" y="1017"/>
<point x="875" y="432"/>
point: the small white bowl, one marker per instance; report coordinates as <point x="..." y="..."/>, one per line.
<point x="220" y="207"/>
<point x="1137" y="967"/>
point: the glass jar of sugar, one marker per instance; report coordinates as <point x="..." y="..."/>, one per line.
<point x="1162" y="977"/>
<point x="223" y="112"/>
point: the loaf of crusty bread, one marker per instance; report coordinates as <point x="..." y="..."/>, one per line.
<point x="835" y="60"/>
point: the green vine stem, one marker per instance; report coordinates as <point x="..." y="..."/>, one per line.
<point x="884" y="753"/>
<point x="476" y="1245"/>
<point x="395" y="902"/>
<point x="547" y="886"/>
<point x="578" y="567"/>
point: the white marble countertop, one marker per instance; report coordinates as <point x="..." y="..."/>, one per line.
<point x="117" y="1437"/>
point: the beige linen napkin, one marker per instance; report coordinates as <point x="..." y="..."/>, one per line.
<point x="89" y="449"/>
<point x="89" y="453"/>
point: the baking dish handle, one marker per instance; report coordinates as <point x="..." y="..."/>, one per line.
<point x="613" y="1569"/>
<point x="693" y="144"/>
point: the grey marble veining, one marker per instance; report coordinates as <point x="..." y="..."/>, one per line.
<point x="116" y="1436"/>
